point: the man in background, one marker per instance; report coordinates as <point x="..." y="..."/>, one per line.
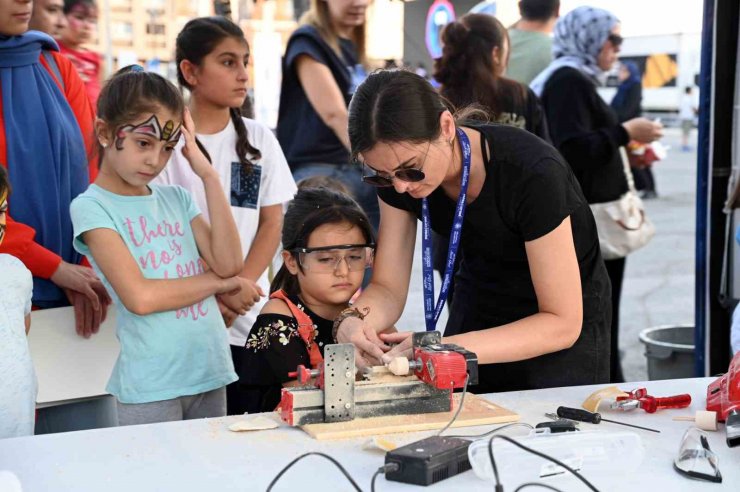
<point x="531" y="41"/>
<point x="48" y="16"/>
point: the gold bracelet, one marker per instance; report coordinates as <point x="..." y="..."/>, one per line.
<point x="350" y="312"/>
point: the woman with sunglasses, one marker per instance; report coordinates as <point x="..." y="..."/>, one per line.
<point x="328" y="244"/>
<point x="532" y="294"/>
<point x="584" y="128"/>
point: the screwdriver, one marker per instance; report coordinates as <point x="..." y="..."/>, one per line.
<point x="593" y="418"/>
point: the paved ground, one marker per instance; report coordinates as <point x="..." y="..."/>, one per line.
<point x="659" y="280"/>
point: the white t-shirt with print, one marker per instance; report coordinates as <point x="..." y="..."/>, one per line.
<point x="270" y="183"/>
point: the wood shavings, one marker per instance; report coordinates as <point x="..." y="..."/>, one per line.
<point x="253" y="423"/>
<point x="379" y="444"/>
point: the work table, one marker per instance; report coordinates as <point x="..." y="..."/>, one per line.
<point x="202" y="455"/>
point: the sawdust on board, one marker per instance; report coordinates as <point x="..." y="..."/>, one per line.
<point x="473" y="407"/>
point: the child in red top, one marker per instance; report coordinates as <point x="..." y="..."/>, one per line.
<point x="82" y="19"/>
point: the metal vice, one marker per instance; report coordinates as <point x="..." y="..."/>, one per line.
<point x="330" y="392"/>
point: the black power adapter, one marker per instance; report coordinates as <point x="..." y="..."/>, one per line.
<point x="428" y="461"/>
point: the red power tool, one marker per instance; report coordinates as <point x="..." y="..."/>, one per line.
<point x="723" y="397"/>
<point x="444" y="366"/>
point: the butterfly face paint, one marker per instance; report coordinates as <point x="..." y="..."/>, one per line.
<point x="151" y="127"/>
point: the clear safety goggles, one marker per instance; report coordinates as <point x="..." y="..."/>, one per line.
<point x="695" y="459"/>
<point x="327" y="259"/>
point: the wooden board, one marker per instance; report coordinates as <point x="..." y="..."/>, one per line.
<point x="476" y="411"/>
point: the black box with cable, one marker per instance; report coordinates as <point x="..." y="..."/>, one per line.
<point x="429" y="461"/>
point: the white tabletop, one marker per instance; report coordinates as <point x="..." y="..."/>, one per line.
<point x="203" y="455"/>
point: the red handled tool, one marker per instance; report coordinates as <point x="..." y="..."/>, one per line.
<point x="639" y="398"/>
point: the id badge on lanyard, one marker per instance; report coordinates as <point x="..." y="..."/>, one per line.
<point x="432" y="311"/>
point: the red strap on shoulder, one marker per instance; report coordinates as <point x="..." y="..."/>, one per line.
<point x="305" y="328"/>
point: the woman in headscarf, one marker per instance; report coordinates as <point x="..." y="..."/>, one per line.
<point x="584" y="128"/>
<point x="627" y="102"/>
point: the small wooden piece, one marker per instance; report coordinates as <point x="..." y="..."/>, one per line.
<point x="592" y="402"/>
<point x="476" y="411"/>
<point x="399" y="366"/>
<point x="704" y="419"/>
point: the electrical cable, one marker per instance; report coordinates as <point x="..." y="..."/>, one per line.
<point x="339" y="465"/>
<point x="499" y="487"/>
<point x="388" y="467"/>
<point x="462" y="401"/>
<point x="537" y="484"/>
<point x="493" y="431"/>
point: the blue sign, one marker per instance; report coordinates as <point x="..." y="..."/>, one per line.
<point x="439" y="15"/>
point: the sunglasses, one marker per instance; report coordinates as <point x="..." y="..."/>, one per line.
<point x="410" y="175"/>
<point x="615" y="40"/>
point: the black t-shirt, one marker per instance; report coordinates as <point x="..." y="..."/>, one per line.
<point x="528" y="116"/>
<point x="528" y="191"/>
<point x="525" y="113"/>
<point x="585" y="129"/>
<point x="303" y="137"/>
<point x="273" y="349"/>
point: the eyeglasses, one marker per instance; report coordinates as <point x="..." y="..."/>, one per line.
<point x="326" y="259"/>
<point x="408" y="174"/>
<point x="615" y="40"/>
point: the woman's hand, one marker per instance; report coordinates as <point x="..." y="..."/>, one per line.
<point x="79" y="279"/>
<point x="402" y="345"/>
<point x="198" y="162"/>
<point x="369" y="349"/>
<point x="643" y="130"/>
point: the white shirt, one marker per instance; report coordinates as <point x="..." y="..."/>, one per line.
<point x="686" y="107"/>
<point x="17" y="378"/>
<point x="270" y="183"/>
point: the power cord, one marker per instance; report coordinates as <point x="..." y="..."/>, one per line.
<point x="339" y="465"/>
<point x="500" y="488"/>
<point x="462" y="402"/>
<point x="388" y="467"/>
<point x="537" y="484"/>
<point x="493" y="431"/>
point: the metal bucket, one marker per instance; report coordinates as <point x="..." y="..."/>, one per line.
<point x="669" y="351"/>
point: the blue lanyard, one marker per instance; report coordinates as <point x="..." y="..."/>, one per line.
<point x="432" y="312"/>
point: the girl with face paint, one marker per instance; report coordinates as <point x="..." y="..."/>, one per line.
<point x="82" y="19"/>
<point x="157" y="255"/>
<point x="18" y="382"/>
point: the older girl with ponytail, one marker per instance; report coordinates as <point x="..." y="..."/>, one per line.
<point x="472" y="68"/>
<point x="212" y="56"/>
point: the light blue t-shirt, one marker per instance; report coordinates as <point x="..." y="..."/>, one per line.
<point x="17" y="378"/>
<point x="168" y="354"/>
